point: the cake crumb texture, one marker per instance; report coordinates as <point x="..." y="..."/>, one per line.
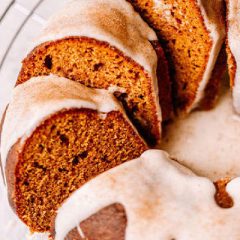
<point x="187" y="42"/>
<point x="63" y="153"/>
<point x="98" y="65"/>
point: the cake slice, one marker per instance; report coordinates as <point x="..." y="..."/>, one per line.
<point x="58" y="134"/>
<point x="192" y="33"/>
<point x="233" y="43"/>
<point x="151" y="198"/>
<point x="106" y="44"/>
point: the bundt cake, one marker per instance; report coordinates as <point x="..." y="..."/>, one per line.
<point x="106" y="44"/>
<point x="233" y="41"/>
<point x="151" y="198"/>
<point x="192" y="33"/>
<point x="57" y="134"/>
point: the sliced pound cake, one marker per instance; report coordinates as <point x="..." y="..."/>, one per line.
<point x="192" y="33"/>
<point x="106" y="44"/>
<point x="57" y="134"/>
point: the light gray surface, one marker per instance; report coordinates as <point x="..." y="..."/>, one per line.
<point x="21" y="21"/>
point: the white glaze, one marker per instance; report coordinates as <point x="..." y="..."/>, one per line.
<point x="161" y="202"/>
<point x="112" y="21"/>
<point x="162" y="5"/>
<point x="165" y="10"/>
<point x="210" y="10"/>
<point x="233" y="19"/>
<point x="207" y="141"/>
<point x="36" y="99"/>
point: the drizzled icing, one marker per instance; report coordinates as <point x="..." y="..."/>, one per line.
<point x="33" y="101"/>
<point x="234" y="43"/>
<point x="161" y="200"/>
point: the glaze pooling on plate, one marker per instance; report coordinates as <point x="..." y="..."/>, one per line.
<point x="207" y="141"/>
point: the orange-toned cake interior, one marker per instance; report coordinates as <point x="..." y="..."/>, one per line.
<point x="62" y="154"/>
<point x="183" y="32"/>
<point x="58" y="134"/>
<point x="96" y="64"/>
<point x="107" y="45"/>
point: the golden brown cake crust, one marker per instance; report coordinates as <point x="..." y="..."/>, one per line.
<point x="10" y="174"/>
<point x="97" y="64"/>
<point x="40" y="179"/>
